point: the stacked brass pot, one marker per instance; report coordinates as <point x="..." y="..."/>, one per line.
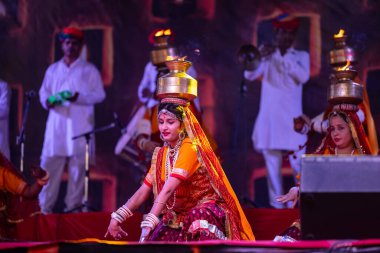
<point x="161" y="48"/>
<point x="343" y="89"/>
<point x="177" y="83"/>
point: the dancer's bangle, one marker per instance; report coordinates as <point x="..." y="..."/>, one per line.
<point x="122" y="214"/>
<point x="150" y="221"/>
<point x="117" y="217"/>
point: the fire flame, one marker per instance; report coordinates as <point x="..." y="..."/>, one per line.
<point x="345" y="67"/>
<point x="160" y="33"/>
<point x="168" y="32"/>
<point x="171" y="58"/>
<point x="340" y="34"/>
<point x="175" y="58"/>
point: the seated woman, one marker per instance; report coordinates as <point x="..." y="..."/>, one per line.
<point x="12" y="185"/>
<point x="345" y="136"/>
<point x="191" y="191"/>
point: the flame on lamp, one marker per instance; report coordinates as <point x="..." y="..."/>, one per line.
<point x="171" y="58"/>
<point x="340" y="34"/>
<point x="160" y="33"/>
<point x="168" y="32"/>
<point x="345" y="67"/>
<point x="175" y="58"/>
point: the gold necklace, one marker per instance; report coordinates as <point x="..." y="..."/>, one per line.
<point x="172" y="153"/>
<point x="336" y="151"/>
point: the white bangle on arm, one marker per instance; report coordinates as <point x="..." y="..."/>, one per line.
<point x="150" y="221"/>
<point x="122" y="214"/>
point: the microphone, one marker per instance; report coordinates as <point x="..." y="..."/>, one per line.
<point x="118" y="123"/>
<point x="30" y="93"/>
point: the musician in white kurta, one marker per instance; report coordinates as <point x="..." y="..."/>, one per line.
<point x="4" y="118"/>
<point x="284" y="71"/>
<point x="74" y="74"/>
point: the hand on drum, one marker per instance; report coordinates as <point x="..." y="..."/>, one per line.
<point x="150" y="146"/>
<point x="301" y="124"/>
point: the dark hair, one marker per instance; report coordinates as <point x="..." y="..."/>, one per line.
<point x="173" y="108"/>
<point x="341" y="115"/>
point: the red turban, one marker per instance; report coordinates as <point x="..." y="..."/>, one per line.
<point x="71" y="32"/>
<point x="285" y="21"/>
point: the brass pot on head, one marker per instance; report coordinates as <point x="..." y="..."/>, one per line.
<point x="345" y="90"/>
<point x="161" y="48"/>
<point x="341" y="53"/>
<point x="177" y="83"/>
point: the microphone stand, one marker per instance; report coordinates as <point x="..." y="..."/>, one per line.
<point x="85" y="206"/>
<point x="240" y="136"/>
<point x="20" y="140"/>
<point x="241" y="125"/>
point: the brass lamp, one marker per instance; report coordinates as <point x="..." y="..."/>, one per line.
<point x="341" y="53"/>
<point x="161" y="48"/>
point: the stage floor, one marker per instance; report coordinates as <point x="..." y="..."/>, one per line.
<point x="94" y="245"/>
<point x="84" y="232"/>
<point x="266" y="224"/>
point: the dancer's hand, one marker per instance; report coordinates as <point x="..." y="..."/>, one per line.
<point x="144" y="233"/>
<point x="292" y="195"/>
<point x="115" y="230"/>
<point x="38" y="172"/>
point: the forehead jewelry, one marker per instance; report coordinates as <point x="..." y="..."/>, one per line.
<point x="168" y="113"/>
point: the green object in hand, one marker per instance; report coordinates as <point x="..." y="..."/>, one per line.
<point x="60" y="97"/>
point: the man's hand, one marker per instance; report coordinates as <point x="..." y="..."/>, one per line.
<point x="266" y="49"/>
<point x="49" y="105"/>
<point x="74" y="97"/>
<point x="301" y="124"/>
<point x="146" y="93"/>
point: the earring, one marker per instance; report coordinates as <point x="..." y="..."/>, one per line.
<point x="182" y="135"/>
<point x="162" y="139"/>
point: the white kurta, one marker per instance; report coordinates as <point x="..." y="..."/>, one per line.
<point x="73" y="119"/>
<point x="149" y="82"/>
<point x="281" y="99"/>
<point x="4" y="118"/>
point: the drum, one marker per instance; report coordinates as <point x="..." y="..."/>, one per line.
<point x="131" y="154"/>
